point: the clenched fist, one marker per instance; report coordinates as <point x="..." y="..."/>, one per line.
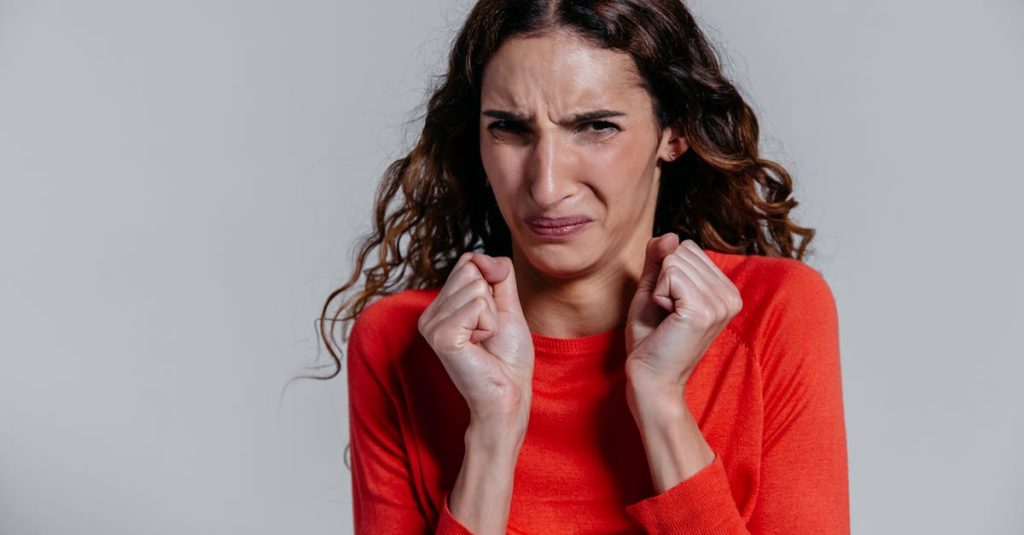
<point x="682" y="303"/>
<point x="477" y="328"/>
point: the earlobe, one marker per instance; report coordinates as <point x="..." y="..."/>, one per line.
<point x="677" y="150"/>
<point x="676" y="145"/>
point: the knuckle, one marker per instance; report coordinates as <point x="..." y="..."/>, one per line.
<point x="705" y="316"/>
<point x="479" y="303"/>
<point x="470" y="267"/>
<point x="668" y="273"/>
<point x="463" y="263"/>
<point x="435" y="339"/>
<point x="480" y="286"/>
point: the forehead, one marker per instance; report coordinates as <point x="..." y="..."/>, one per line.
<point x="562" y="71"/>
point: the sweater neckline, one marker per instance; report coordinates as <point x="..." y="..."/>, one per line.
<point x="584" y="345"/>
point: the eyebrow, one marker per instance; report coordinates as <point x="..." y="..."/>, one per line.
<point x="578" y="118"/>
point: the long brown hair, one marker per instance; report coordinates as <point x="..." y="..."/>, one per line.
<point x="720" y="193"/>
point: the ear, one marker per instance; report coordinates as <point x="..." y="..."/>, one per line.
<point x="673" y="144"/>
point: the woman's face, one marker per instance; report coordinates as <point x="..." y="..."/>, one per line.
<point x="566" y="131"/>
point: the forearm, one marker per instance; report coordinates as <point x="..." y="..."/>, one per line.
<point x="482" y="495"/>
<point x="674" y="445"/>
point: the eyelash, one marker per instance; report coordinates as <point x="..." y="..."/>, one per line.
<point x="512" y="127"/>
<point x="607" y="126"/>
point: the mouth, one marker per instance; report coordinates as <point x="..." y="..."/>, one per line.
<point x="557" y="227"/>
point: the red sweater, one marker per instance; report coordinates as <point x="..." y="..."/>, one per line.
<point x="767" y="396"/>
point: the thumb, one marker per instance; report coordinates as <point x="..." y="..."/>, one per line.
<point x="657" y="249"/>
<point x="498" y="272"/>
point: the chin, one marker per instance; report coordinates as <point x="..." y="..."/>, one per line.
<point x="558" y="260"/>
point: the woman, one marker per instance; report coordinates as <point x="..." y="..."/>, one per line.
<point x="601" y="322"/>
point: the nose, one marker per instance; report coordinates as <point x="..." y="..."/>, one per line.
<point x="551" y="172"/>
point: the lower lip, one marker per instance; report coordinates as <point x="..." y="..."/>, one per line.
<point x="558" y="232"/>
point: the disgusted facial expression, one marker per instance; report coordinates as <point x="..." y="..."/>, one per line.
<point x="571" y="148"/>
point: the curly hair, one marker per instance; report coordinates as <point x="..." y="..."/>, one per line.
<point x="729" y="198"/>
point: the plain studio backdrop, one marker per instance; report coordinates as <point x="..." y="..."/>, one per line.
<point x="182" y="183"/>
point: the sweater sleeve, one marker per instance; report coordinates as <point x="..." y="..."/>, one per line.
<point x="803" y="488"/>
<point x="804" y="481"/>
<point x="382" y="484"/>
<point x="700" y="505"/>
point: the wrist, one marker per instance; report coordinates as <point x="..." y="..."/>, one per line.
<point x="673" y="442"/>
<point x="655" y="399"/>
<point x="481" y="497"/>
<point x="495" y="439"/>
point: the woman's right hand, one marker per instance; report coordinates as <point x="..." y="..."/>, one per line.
<point x="477" y="328"/>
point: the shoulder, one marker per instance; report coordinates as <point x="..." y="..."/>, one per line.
<point x="388" y="326"/>
<point x="771" y="278"/>
<point x="778" y="293"/>
<point x="394" y="310"/>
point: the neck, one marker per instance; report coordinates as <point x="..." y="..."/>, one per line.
<point x="593" y="302"/>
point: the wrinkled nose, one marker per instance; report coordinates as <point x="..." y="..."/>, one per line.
<point x="551" y="172"/>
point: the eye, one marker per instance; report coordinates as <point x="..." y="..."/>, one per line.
<point x="600" y="126"/>
<point x="506" y="126"/>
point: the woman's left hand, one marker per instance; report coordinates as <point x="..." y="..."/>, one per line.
<point x="682" y="303"/>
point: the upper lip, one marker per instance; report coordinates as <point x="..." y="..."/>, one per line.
<point x="553" y="222"/>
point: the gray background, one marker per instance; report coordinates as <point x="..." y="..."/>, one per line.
<point x="182" y="183"/>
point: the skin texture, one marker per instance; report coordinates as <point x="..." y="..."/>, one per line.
<point x="547" y="168"/>
<point x="668" y="296"/>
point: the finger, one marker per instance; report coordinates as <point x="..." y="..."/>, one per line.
<point x="477" y="288"/>
<point x="657" y="249"/>
<point x="464" y="272"/>
<point x="700" y="254"/>
<point x="677" y="290"/>
<point x="486" y="325"/>
<point x="704" y="278"/>
<point x="462" y="359"/>
<point x="500" y="273"/>
<point x="459" y="329"/>
<point x="728" y="291"/>
<point x="465" y="257"/>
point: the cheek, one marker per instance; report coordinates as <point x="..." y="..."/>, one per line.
<point x="620" y="169"/>
<point x="499" y="162"/>
<point x="503" y="170"/>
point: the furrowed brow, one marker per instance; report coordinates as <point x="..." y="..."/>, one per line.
<point x="578" y="118"/>
<point x="594" y="116"/>
<point x="506" y="115"/>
